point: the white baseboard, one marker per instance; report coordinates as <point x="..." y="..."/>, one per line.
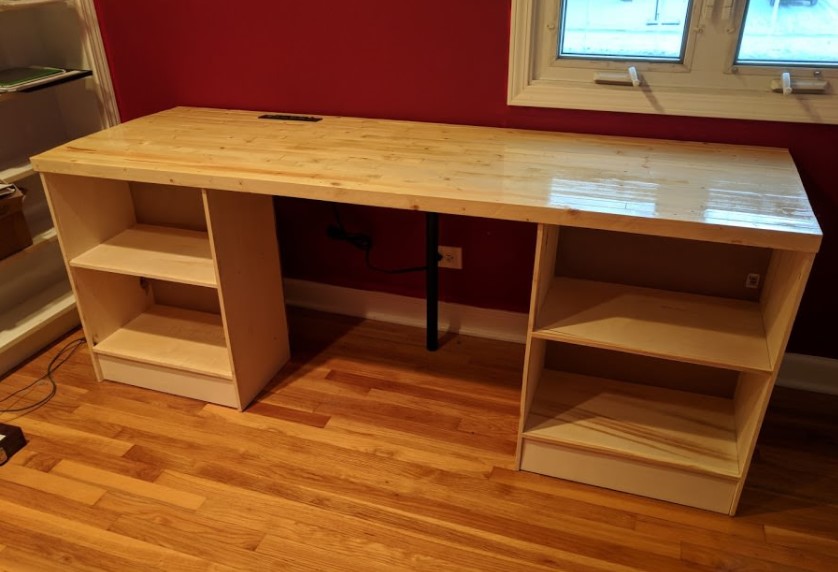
<point x="467" y="320"/>
<point x="810" y="373"/>
<point x="798" y="371"/>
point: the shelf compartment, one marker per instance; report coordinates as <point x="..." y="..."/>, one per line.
<point x="698" y="329"/>
<point x="174" y="254"/>
<point x="660" y="426"/>
<point x="185" y="340"/>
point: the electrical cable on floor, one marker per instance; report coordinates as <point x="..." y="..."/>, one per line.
<point x="363" y="242"/>
<point x="63" y="355"/>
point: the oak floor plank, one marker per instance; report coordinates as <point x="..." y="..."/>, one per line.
<point x="53" y="483"/>
<point x="808" y="541"/>
<point x="43" y="529"/>
<point x="342" y="515"/>
<point x="368" y="453"/>
<point x="56" y="505"/>
<point x="112" y="481"/>
<point x="366" y="439"/>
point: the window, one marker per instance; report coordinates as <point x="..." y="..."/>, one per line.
<point x="749" y="59"/>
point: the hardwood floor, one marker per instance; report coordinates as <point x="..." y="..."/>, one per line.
<point x="368" y="453"/>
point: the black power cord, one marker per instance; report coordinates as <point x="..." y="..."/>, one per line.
<point x="56" y="362"/>
<point x="363" y="242"/>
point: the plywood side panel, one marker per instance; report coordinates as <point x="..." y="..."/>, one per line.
<point x="786" y="280"/>
<point x="243" y="238"/>
<point x="533" y="371"/>
<point x="750" y="403"/>
<point x="544" y="269"/>
<point x="542" y="277"/>
<point x="87" y="211"/>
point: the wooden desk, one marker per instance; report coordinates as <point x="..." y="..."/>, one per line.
<point x="666" y="281"/>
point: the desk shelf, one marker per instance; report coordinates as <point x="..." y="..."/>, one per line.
<point x="172" y="337"/>
<point x="644" y="423"/>
<point x="164" y="306"/>
<point x="173" y="254"/>
<point x="692" y="328"/>
<point x="689" y="357"/>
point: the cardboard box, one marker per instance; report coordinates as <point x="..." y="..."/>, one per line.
<point x="14" y="232"/>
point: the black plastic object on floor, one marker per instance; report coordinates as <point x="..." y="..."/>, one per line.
<point x="11" y="441"/>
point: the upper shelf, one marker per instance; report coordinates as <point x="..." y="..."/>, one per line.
<point x="44" y="83"/>
<point x="704" y="330"/>
<point x="165" y="253"/>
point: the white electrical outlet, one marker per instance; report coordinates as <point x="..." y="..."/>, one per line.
<point x="752" y="280"/>
<point x="452" y="257"/>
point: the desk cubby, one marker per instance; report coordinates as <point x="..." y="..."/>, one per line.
<point x="156" y="280"/>
<point x="647" y="370"/>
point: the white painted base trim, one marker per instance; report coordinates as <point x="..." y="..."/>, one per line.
<point x="810" y="373"/>
<point x="798" y="371"/>
<point x="395" y="309"/>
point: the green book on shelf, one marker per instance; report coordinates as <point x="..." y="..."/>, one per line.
<point x="17" y="77"/>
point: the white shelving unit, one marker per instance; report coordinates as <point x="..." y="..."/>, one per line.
<point x="652" y="376"/>
<point x="36" y="301"/>
<point x="179" y="288"/>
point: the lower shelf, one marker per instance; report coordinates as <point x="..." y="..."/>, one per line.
<point x="652" y="425"/>
<point x="183" y="340"/>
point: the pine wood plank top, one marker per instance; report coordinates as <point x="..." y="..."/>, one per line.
<point x="154" y="252"/>
<point x="720" y="193"/>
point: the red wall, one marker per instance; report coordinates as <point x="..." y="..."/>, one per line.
<point x="427" y="60"/>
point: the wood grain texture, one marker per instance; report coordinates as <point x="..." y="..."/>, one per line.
<point x="242" y="234"/>
<point x="154" y="252"/>
<point x="704" y="330"/>
<point x="172" y="337"/>
<point x="719" y="193"/>
<point x="640" y="422"/>
<point x="132" y="479"/>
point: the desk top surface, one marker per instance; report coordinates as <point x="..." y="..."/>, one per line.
<point x="721" y="193"/>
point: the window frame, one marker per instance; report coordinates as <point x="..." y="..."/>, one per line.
<point x="707" y="84"/>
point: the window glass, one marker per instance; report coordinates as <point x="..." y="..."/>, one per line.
<point x="624" y="29"/>
<point x="790" y="32"/>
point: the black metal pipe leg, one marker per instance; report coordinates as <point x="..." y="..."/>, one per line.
<point x="432" y="279"/>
